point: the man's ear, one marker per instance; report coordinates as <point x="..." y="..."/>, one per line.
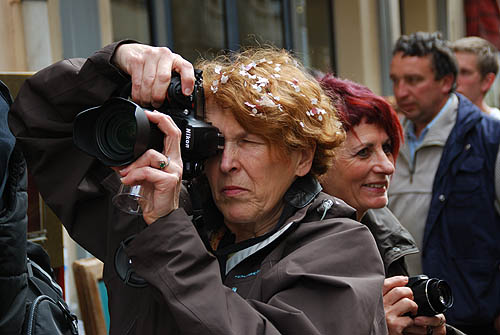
<point x="487" y="82"/>
<point x="447" y="81"/>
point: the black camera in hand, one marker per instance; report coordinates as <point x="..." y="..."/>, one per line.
<point x="433" y="296"/>
<point x="118" y="131"/>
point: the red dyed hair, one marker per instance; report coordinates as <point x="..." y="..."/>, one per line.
<point x="355" y="103"/>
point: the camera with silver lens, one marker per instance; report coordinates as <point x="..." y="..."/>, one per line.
<point x="118" y="131"/>
<point x="433" y="296"/>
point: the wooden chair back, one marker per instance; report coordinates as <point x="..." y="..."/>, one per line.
<point x="87" y="273"/>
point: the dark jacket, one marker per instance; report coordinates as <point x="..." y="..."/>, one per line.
<point x="393" y="240"/>
<point x="297" y="279"/>
<point x="462" y="233"/>
<point x="13" y="225"/>
<point x="307" y="281"/>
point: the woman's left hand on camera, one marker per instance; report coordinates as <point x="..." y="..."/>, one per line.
<point x="160" y="174"/>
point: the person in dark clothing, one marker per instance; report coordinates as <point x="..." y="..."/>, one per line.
<point x="360" y="176"/>
<point x="13" y="225"/>
<point x="274" y="255"/>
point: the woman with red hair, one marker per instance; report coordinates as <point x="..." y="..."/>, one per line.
<point x="360" y="176"/>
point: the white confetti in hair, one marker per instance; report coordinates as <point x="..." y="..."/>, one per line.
<point x="274" y="97"/>
<point x="261" y="81"/>
<point x="224" y="79"/>
<point x="248" y="67"/>
<point x="249" y="104"/>
<point x="257" y="88"/>
<point x="314" y="101"/>
<point x="266" y="101"/>
<point x="317" y="113"/>
<point x="294" y="85"/>
<point x="217" y="69"/>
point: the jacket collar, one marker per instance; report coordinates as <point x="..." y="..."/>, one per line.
<point x="303" y="191"/>
<point x="468" y="115"/>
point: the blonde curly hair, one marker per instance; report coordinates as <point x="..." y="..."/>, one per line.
<point x="272" y="95"/>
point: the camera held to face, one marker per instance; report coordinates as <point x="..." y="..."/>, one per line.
<point x="433" y="296"/>
<point x="118" y="131"/>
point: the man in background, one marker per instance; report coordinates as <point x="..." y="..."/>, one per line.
<point x="478" y="66"/>
<point x="445" y="189"/>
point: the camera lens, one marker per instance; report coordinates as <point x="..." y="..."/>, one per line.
<point x="116" y="134"/>
<point x="439" y="293"/>
<point x="433" y="296"/>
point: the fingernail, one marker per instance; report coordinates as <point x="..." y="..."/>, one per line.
<point x="187" y="91"/>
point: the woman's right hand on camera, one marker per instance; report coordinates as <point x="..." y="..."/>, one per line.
<point x="150" y="69"/>
<point x="160" y="174"/>
<point x="398" y="300"/>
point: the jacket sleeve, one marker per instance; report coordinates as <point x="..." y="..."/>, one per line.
<point x="13" y="225"/>
<point x="42" y="117"/>
<point x="306" y="293"/>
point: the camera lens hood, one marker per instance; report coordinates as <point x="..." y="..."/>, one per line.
<point x="116" y="133"/>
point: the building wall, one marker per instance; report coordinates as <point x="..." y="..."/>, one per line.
<point x="356" y="36"/>
<point x="12" y="58"/>
<point x="356" y="26"/>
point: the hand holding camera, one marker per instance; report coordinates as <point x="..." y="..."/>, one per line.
<point x="416" y="304"/>
<point x="159" y="185"/>
<point x="161" y="148"/>
<point x="150" y="69"/>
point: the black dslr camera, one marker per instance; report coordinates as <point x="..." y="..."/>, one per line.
<point x="433" y="296"/>
<point x="118" y="131"/>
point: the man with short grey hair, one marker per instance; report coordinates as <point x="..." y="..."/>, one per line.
<point x="445" y="189"/>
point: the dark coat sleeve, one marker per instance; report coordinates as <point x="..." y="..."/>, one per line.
<point x="393" y="240"/>
<point x="13" y="225"/>
<point x="41" y="118"/>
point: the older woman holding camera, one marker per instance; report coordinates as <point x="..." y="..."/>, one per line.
<point x="264" y="252"/>
<point x="360" y="176"/>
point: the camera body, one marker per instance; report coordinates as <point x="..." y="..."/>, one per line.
<point x="433" y="296"/>
<point x="118" y="131"/>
